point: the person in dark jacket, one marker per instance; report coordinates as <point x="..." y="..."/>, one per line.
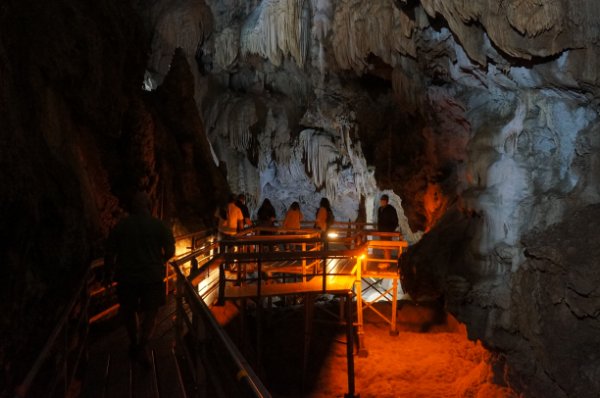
<point x="387" y="218"/>
<point x="387" y="221"/>
<point x="266" y="214"/>
<point x="136" y="252"/>
<point x="241" y="203"/>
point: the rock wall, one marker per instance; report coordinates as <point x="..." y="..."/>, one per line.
<point x="480" y="118"/>
<point x="78" y="136"/>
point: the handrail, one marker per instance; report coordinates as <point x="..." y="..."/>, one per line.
<point x="241" y="251"/>
<point x="24" y="387"/>
<point x="244" y="371"/>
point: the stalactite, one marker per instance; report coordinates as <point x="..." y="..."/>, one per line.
<point x="177" y="25"/>
<point x="320" y="153"/>
<point x="277" y="28"/>
<point x="227" y="44"/>
<point x="231" y="117"/>
<point x="407" y="86"/>
<point x="370" y="27"/>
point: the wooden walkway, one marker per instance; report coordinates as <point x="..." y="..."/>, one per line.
<point x="111" y="373"/>
<point x="341" y="279"/>
<point x="248" y="266"/>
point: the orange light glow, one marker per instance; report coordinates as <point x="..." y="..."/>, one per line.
<point x="429" y="360"/>
<point x="182" y="247"/>
<point x="435" y="204"/>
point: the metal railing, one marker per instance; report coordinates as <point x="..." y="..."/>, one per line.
<point x="201" y="337"/>
<point x="217" y="366"/>
<point x="54" y="369"/>
<point x="207" y="341"/>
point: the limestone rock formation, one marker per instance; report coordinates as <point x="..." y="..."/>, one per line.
<point x="479" y="118"/>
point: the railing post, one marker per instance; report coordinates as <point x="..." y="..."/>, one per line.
<point x="304" y="262"/>
<point x="362" y="351"/>
<point x="178" y="310"/>
<point x="394" y="328"/>
<point x="325" y="247"/>
<point x="221" y="299"/>
<point x="167" y="279"/>
<point x="259" y="270"/>
<point x="349" y="347"/>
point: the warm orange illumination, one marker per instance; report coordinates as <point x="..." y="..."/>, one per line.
<point x="332" y="235"/>
<point x="182" y="247"/>
<point x="435" y="204"/>
<point x="427" y="360"/>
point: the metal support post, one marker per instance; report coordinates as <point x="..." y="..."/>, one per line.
<point x="362" y="350"/>
<point x="350" y="347"/>
<point x="393" y="326"/>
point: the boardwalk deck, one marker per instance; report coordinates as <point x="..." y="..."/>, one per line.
<point x="230" y="268"/>
<point x="340" y="279"/>
<point x="334" y="284"/>
<point x="111" y="373"/>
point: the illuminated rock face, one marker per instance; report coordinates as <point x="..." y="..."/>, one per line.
<point x="479" y="118"/>
<point x="480" y="115"/>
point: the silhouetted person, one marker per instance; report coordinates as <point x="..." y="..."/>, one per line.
<point x="387" y="221"/>
<point x="137" y="250"/>
<point x="220" y="215"/>
<point x="324" y="217"/>
<point x="266" y="214"/>
<point x="241" y="203"/>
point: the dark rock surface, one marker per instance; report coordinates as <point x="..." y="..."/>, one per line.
<point x="77" y="137"/>
<point x="543" y="319"/>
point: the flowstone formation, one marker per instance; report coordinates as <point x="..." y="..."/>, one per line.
<point x="480" y="117"/>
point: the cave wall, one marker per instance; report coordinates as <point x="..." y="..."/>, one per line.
<point x="479" y="118"/>
<point x="78" y="137"/>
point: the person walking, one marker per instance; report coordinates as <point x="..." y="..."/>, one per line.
<point x="136" y="252"/>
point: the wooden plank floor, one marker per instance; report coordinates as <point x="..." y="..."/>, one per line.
<point x="111" y="373"/>
<point x="333" y="283"/>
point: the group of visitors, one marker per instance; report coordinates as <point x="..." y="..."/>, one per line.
<point x="140" y="245"/>
<point x="235" y="216"/>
